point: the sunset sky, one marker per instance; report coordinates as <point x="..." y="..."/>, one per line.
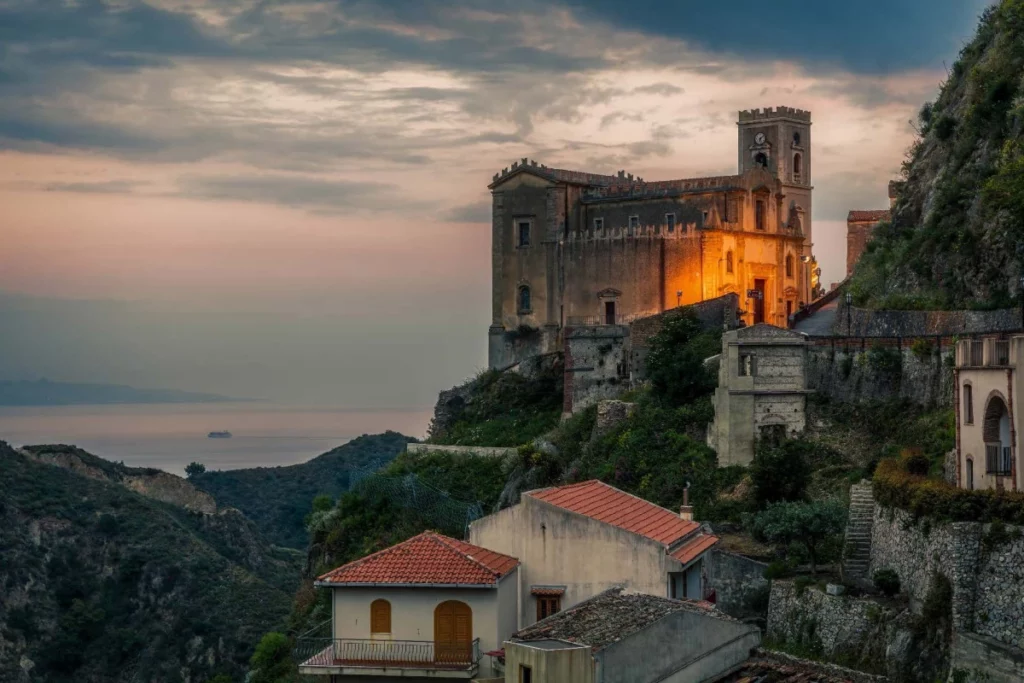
<point x="289" y="200"/>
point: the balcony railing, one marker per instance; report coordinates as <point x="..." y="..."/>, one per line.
<point x="614" y="319"/>
<point x="1000" y="353"/>
<point x="977" y="357"/>
<point x="998" y="460"/>
<point x="392" y="654"/>
<point x="978" y="353"/>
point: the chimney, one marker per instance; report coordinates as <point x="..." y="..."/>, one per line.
<point x="686" y="511"/>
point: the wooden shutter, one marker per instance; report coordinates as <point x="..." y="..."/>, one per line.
<point x="380" y="616"/>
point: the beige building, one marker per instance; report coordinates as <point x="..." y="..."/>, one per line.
<point x="424" y="609"/>
<point x="621" y="637"/>
<point x="988" y="390"/>
<point x="762" y="387"/>
<point x="578" y="540"/>
<point x="571" y="248"/>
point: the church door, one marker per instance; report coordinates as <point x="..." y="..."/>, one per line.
<point x="759" y="302"/>
<point x="453" y="633"/>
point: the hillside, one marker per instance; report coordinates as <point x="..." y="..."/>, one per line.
<point x="277" y="499"/>
<point x="46" y="393"/>
<point x="955" y="240"/>
<point x="104" y="584"/>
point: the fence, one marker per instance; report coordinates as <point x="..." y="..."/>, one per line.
<point x="365" y="652"/>
<point x="409" y="492"/>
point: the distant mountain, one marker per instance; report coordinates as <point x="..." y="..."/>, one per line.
<point x="113" y="574"/>
<point x="277" y="499"/>
<point x="46" y="393"/>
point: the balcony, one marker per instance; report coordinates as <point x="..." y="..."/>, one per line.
<point x="998" y="460"/>
<point x="981" y="353"/>
<point x="366" y="657"/>
<point x="607" y="319"/>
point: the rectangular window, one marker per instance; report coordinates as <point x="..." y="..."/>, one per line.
<point x="759" y="217"/>
<point x="524" y="233"/>
<point x="634" y="224"/>
<point x="968" y="405"/>
<point x="598" y="224"/>
<point x="748" y="365"/>
<point x="525" y="674"/>
<point x="548" y="605"/>
<point x="670" y="221"/>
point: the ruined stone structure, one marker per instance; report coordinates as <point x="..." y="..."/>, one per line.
<point x="861" y="224"/>
<point x="571" y="248"/>
<point x="761" y="387"/>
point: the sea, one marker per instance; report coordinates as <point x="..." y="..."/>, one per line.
<point x="170" y="436"/>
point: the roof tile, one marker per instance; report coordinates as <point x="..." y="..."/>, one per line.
<point x="693" y="549"/>
<point x="872" y="215"/>
<point x="429" y="558"/>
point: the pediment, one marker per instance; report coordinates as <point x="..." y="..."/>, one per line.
<point x="609" y="293"/>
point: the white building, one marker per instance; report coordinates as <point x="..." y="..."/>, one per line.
<point x="578" y="540"/>
<point x="424" y="609"/>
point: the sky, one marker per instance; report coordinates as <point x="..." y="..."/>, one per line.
<point x="288" y="200"/>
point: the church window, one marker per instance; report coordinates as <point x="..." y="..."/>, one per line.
<point x="759" y="214"/>
<point x="524" y="233"/>
<point x="634" y="224"/>
<point x="670" y="221"/>
<point x="524" y="299"/>
<point x="704" y="215"/>
<point x="598" y="224"/>
<point x="789" y="265"/>
<point x="728" y="261"/>
<point x="761" y="160"/>
<point x="797" y="165"/>
<point x="796" y="138"/>
<point x="968" y="405"/>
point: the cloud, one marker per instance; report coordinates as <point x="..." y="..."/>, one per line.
<point x="98" y="187"/>
<point x="477" y="212"/>
<point x="659" y="89"/>
<point x="289" y="190"/>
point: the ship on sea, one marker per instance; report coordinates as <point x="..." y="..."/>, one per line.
<point x="219" y="435"/>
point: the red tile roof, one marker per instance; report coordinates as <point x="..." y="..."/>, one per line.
<point x="873" y="215"/>
<point x="608" y="504"/>
<point x="693" y="549"/>
<point x="427" y="559"/>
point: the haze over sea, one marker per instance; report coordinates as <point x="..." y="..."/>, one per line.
<point x="169" y="436"/>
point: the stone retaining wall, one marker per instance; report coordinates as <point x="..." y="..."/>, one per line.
<point x="870" y="323"/>
<point x="983" y="660"/>
<point x="481" y="451"/>
<point x="739" y="584"/>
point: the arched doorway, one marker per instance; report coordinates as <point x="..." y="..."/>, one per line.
<point x="996" y="432"/>
<point x="453" y="633"/>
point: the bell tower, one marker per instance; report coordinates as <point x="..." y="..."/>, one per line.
<point x="779" y="139"/>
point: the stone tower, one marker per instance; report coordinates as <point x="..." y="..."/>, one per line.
<point x="780" y="139"/>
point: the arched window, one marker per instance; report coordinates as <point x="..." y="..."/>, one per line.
<point x="728" y="261"/>
<point x="789" y="265"/>
<point x="996" y="432"/>
<point x="380" y="616"/>
<point x="524" y="299"/>
<point x="968" y="404"/>
<point x="970" y="474"/>
<point x="798" y="165"/>
<point x="796" y="138"/>
<point x="761" y="159"/>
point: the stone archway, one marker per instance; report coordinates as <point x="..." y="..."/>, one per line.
<point x="996" y="434"/>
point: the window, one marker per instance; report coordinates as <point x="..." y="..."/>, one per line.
<point x="704" y="216"/>
<point x="670" y="221"/>
<point x="748" y="365"/>
<point x="634" y="224"/>
<point x="796" y="138"/>
<point x="598" y="224"/>
<point x="789" y="265"/>
<point x="548" y="605"/>
<point x="525" y="674"/>
<point x="759" y="211"/>
<point x="524" y="299"/>
<point x="798" y="164"/>
<point x="728" y="261"/>
<point x="970" y="474"/>
<point x="524" y="233"/>
<point x="968" y="405"/>
<point x="761" y="160"/>
<point x="380" y="616"/>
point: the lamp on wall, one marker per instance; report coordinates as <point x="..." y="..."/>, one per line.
<point x="679" y="297"/>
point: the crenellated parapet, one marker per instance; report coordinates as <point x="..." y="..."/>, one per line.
<point x="639" y="189"/>
<point x="768" y="113"/>
<point x="559" y="174"/>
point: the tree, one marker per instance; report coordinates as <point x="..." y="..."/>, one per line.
<point x="194" y="468"/>
<point x="675" y="362"/>
<point x="809" y="524"/>
<point x="272" y="660"/>
<point x="781" y="470"/>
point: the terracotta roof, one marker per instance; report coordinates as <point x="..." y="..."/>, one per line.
<point x="693" y="549"/>
<point x="608" y="504"/>
<point x="548" y="591"/>
<point x="611" y="616"/>
<point x="873" y="215"/>
<point x="428" y="559"/>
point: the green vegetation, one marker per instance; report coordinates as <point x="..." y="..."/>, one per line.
<point x="954" y="241"/>
<point x="810" y="524"/>
<point x="101" y="583"/>
<point x="781" y="470"/>
<point x="675" y="362"/>
<point x="277" y="499"/>
<point x="194" y="468"/>
<point x="887" y="581"/>
<point x="272" y="661"/>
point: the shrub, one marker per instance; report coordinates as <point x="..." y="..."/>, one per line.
<point x="916" y="462"/>
<point x="887" y="581"/>
<point x="194" y="468"/>
<point x="272" y="660"/>
<point x="922" y="348"/>
<point x="675" y="362"/>
<point x="777" y="570"/>
<point x="780" y="470"/>
<point x="944" y="127"/>
<point x="810" y="525"/>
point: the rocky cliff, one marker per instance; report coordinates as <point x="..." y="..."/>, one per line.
<point x="955" y="239"/>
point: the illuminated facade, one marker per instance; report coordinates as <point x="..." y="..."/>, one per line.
<point x="576" y="249"/>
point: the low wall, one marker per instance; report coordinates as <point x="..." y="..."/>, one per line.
<point x="481" y="451"/>
<point x="596" y="365"/>
<point x="980" y="659"/>
<point x="870" y="323"/>
<point x="741" y="590"/>
<point x="853" y="369"/>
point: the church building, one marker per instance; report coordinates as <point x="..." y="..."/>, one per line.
<point x="573" y="249"/>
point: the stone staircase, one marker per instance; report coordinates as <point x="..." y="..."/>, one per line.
<point x="857" y="554"/>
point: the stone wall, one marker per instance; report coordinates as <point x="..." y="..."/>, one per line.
<point x="479" y="451"/>
<point x="854" y="369"/>
<point x="718" y="313"/>
<point x="740" y="587"/>
<point x="871" y="323"/>
<point x="596" y="365"/>
<point x="980" y="659"/>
